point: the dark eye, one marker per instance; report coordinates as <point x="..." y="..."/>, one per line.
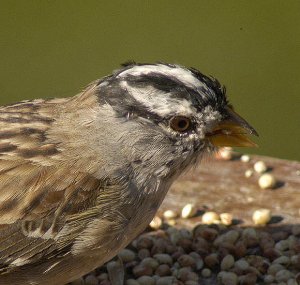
<point x="180" y="124"/>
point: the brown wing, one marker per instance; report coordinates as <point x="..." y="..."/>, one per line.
<point x="37" y="194"/>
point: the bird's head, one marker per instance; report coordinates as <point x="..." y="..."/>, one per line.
<point x="172" y="114"/>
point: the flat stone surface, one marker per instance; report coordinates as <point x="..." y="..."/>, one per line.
<point x="221" y="186"/>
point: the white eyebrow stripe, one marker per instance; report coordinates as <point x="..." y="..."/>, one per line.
<point x="181" y="74"/>
<point x="165" y="106"/>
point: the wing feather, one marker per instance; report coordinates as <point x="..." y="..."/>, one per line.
<point x="38" y="196"/>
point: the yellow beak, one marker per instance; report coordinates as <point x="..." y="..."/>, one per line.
<point x="232" y="131"/>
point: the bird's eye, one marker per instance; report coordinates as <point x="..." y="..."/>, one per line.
<point x="180" y="124"/>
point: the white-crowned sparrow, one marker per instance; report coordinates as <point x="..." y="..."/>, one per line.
<point x="82" y="176"/>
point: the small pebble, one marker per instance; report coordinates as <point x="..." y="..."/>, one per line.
<point x="132" y="282"/>
<point x="231" y="236"/>
<point x="292" y="281"/>
<point x="274" y="268"/>
<point x="91" y="280"/>
<point x="210" y="218"/>
<point x="186" y="260"/>
<point x="226" y="219"/>
<point x="206" y="272"/>
<point x="166" y="280"/>
<point x="149" y="261"/>
<point x="163" y="270"/>
<point x="269" y="278"/>
<point x="227" y="262"/>
<point x="261" y="216"/>
<point x="183" y="273"/>
<point x="175" y="237"/>
<point x="260" y="167"/>
<point x="248" y="279"/>
<point x="163" y="258"/>
<point x="245" y="158"/>
<point x="248" y="173"/>
<point x="115" y="270"/>
<point x="198" y="259"/>
<point x="295" y="259"/>
<point x="296" y="230"/>
<point x="229" y="278"/>
<point x="282" y="260"/>
<point x="188" y="211"/>
<point x="143" y="253"/>
<point x="282" y="244"/>
<point x="241" y="264"/>
<point x="146" y="280"/>
<point x="283" y="275"/>
<point x="192" y="276"/>
<point x="105" y="282"/>
<point x="141" y="270"/>
<point x="170" y="214"/>
<point x="189" y="282"/>
<point x="249" y="233"/>
<point x="211" y="260"/>
<point x="102" y="276"/>
<point x="267" y="181"/>
<point x="126" y="255"/>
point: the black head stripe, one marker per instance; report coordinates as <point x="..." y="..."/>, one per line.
<point x="123" y="103"/>
<point x="208" y="92"/>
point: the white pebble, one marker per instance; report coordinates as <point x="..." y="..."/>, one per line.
<point x="267" y="181"/>
<point x="171" y="222"/>
<point x="226" y="219"/>
<point x="170" y="214"/>
<point x="260" y="167"/>
<point x="156" y="223"/>
<point x="248" y="173"/>
<point x="210" y="218"/>
<point x="261" y="216"/>
<point x="245" y="158"/>
<point x="226" y="153"/>
<point x="188" y="211"/>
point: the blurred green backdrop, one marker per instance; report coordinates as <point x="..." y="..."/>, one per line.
<point x="55" y="48"/>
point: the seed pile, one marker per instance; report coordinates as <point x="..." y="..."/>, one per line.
<point x="209" y="254"/>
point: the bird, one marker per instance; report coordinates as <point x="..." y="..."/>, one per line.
<point x="82" y="176"/>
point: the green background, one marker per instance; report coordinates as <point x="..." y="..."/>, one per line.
<point x="55" y="48"/>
